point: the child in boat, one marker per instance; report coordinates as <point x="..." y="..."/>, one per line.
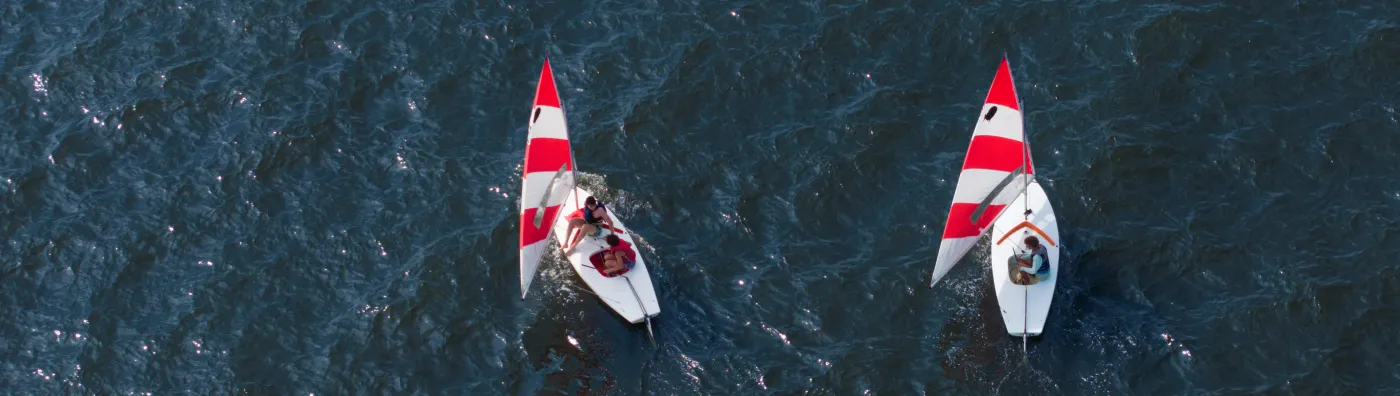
<point x="588" y="218"/>
<point x="619" y="258"/>
<point x="1033" y="264"/>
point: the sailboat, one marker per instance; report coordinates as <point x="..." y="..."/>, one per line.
<point x="997" y="194"/>
<point x="549" y="190"/>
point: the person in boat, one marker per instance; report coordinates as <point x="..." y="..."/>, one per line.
<point x="619" y="258"/>
<point x="1033" y="264"/>
<point x="588" y="218"/>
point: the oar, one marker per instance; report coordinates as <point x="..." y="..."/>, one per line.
<point x="1025" y="326"/>
<point x="1025" y="314"/>
<point x="650" y="335"/>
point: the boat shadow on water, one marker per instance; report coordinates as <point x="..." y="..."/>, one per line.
<point x="981" y="356"/>
<point x="580" y="346"/>
<point x="570" y="361"/>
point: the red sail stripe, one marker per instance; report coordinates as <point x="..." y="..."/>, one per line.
<point x="995" y="153"/>
<point x="546" y="155"/>
<point x="1003" y="90"/>
<point x="960" y="220"/>
<point x="1030" y="165"/>
<point x="528" y="233"/>
<point x="545" y="93"/>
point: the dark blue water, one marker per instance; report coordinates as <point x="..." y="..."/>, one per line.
<point x="295" y="197"/>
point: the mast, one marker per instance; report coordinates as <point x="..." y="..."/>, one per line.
<point x="1026" y="215"/>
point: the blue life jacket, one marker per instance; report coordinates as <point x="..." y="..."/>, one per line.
<point x="588" y="214"/>
<point x="1044" y="260"/>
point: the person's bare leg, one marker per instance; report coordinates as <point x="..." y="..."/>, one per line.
<point x="583" y="230"/>
<point x="612" y="266"/>
<point x="573" y="224"/>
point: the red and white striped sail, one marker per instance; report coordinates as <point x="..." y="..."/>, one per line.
<point x="990" y="178"/>
<point x="549" y="176"/>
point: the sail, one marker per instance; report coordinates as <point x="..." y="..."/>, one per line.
<point x="548" y="180"/>
<point x="994" y="173"/>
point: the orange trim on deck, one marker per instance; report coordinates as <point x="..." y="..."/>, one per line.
<point x="1032" y="227"/>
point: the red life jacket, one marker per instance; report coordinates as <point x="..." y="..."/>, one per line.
<point x="626" y="249"/>
<point x="629" y="258"/>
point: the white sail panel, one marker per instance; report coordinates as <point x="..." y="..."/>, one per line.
<point x="996" y="151"/>
<point x="548" y="177"/>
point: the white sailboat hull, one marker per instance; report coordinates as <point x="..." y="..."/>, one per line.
<point x="1024" y="309"/>
<point x="630" y="295"/>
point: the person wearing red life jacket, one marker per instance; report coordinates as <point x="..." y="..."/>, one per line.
<point x="619" y="258"/>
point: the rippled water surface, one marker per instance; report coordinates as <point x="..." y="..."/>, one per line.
<point x="293" y="197"/>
